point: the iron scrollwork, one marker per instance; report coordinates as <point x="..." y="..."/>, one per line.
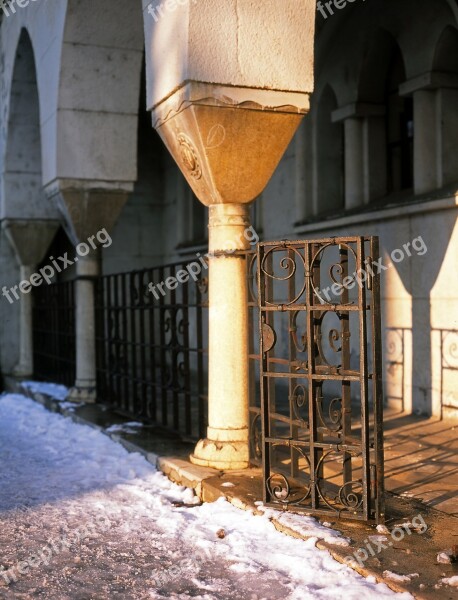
<point x="313" y="460"/>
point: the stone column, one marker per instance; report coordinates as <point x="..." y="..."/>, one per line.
<point x="447" y="119"/>
<point x="227" y="121"/>
<point x="24" y="368"/>
<point x="30" y="240"/>
<point x="365" y="152"/>
<point x="435" y="95"/>
<point x="303" y="209"/>
<point x="226" y="445"/>
<point x="87" y="210"/>
<point x="375" y="158"/>
<point x="87" y="270"/>
<point x="425" y="141"/>
<point x="354" y="163"/>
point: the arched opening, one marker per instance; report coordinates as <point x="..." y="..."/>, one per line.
<point x="446" y="55"/>
<point x="445" y="66"/>
<point x="29" y="219"/>
<point x="329" y="156"/>
<point x="399" y="128"/>
<point x="382" y="73"/>
<point x="23" y="173"/>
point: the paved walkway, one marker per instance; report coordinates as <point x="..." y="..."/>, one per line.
<point x="421" y="460"/>
<point x="80" y="518"/>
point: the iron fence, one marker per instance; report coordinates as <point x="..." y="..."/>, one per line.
<point x="54" y="341"/>
<point x="151" y="348"/>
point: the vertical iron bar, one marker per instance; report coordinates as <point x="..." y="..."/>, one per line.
<point x="292" y="353"/>
<point x="363" y="378"/>
<point x="163" y="354"/>
<point x="200" y="361"/>
<point x="133" y="376"/>
<point x="117" y="344"/>
<point x="266" y="464"/>
<point x="175" y="353"/>
<point x="346" y="385"/>
<point x="142" y="310"/>
<point x="152" y="311"/>
<point x="186" y="360"/>
<point x="309" y="252"/>
<point x="377" y="387"/>
<point x="125" y="343"/>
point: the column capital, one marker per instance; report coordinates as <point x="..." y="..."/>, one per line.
<point x="432" y="80"/>
<point x="358" y="110"/>
<point x="88" y="206"/>
<point x="30" y="238"/>
<point x="227" y="101"/>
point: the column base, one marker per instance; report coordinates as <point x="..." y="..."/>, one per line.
<point x="224" y="456"/>
<point x="82" y="395"/>
<point x="22" y="372"/>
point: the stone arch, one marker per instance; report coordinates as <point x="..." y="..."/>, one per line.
<point x="375" y="68"/>
<point x="22" y="185"/>
<point x="446" y="51"/>
<point x="382" y="73"/>
<point x="329" y="155"/>
<point x="453" y="6"/>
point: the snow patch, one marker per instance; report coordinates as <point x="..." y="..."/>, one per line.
<point x="399" y="578"/>
<point x="130" y="427"/>
<point x="306" y="526"/>
<point x="59" y="392"/>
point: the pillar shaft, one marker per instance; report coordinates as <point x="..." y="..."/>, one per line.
<point x="87" y="209"/>
<point x="303" y="210"/>
<point x="88" y="269"/>
<point x="425" y="141"/>
<point x="447" y="123"/>
<point x="374" y="158"/>
<point x="24" y="368"/>
<point x="227" y="445"/>
<point x="30" y="239"/>
<point x="354" y="163"/>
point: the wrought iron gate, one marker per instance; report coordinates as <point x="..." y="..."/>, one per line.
<point x="321" y="392"/>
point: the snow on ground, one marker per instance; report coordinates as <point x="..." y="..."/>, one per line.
<point x="306" y="526"/>
<point x="131" y="427"/>
<point x="80" y="517"/>
<point x="59" y="392"/>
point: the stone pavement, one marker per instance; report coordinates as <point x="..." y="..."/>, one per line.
<point x="82" y="519"/>
<point x="421" y="475"/>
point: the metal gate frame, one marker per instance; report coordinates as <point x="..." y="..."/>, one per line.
<point x="311" y="444"/>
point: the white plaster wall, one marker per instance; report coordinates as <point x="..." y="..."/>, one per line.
<point x="225" y="42"/>
<point x="99" y="92"/>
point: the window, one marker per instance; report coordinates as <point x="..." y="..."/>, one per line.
<point x="329" y="193"/>
<point x="193" y="216"/>
<point x="399" y="130"/>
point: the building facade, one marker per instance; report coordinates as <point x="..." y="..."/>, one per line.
<point x="376" y="155"/>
